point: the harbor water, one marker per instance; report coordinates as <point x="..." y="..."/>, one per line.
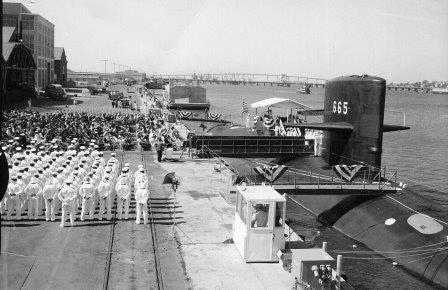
<point x="419" y="155"/>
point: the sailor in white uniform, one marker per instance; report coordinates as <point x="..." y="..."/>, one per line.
<point x="13" y="201"/>
<point x="105" y="196"/>
<point x="67" y="196"/>
<point x="141" y="198"/>
<point x="87" y="192"/>
<point x="123" y="191"/>
<point x="32" y="191"/>
<point x="50" y="192"/>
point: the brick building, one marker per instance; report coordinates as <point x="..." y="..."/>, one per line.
<point x="37" y="33"/>
<point x="60" y="66"/>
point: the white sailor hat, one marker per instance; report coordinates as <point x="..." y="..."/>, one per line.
<point x="33" y="150"/>
<point x="19" y="148"/>
<point x="4" y="148"/>
<point x="142" y="169"/>
<point x="96" y="146"/>
<point x="10" y="141"/>
<point x="126" y="165"/>
<point x="29" y="146"/>
<point x="82" y="147"/>
<point x="113" y="154"/>
<point x="16" y="138"/>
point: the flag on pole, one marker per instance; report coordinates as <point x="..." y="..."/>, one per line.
<point x="245" y="108"/>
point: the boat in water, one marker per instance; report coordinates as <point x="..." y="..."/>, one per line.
<point x="440" y="91"/>
<point x="305" y="89"/>
<point x="345" y="186"/>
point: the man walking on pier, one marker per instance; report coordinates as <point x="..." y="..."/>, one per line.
<point x="159" y="149"/>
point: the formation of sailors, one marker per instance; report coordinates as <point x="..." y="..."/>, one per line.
<point x="63" y="180"/>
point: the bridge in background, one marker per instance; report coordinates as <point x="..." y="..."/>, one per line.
<point x="264" y="80"/>
<point x="245" y="79"/>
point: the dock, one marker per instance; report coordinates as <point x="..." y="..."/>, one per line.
<point x="119" y="254"/>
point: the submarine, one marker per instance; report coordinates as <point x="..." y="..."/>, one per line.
<point x="400" y="223"/>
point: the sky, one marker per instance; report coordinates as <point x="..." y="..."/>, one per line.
<point x="399" y="40"/>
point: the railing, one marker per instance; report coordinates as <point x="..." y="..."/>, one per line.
<point x="253" y="145"/>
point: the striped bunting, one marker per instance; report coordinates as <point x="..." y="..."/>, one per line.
<point x="213" y="116"/>
<point x="184" y="114"/>
<point x="347" y="172"/>
<point x="268" y="123"/>
<point x="271" y="173"/>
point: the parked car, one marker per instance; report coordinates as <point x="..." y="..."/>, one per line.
<point x="115" y="95"/>
<point x="93" y="90"/>
<point x="126" y="103"/>
<point x="55" y="92"/>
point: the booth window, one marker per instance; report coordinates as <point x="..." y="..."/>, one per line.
<point x="260" y="215"/>
<point x="242" y="208"/>
<point x="279" y="214"/>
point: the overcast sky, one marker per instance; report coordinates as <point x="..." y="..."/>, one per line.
<point x="401" y="40"/>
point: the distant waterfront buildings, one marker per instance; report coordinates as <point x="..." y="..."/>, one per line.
<point x="60" y="66"/>
<point x="93" y="77"/>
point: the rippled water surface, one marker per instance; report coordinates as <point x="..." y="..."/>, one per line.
<point x="420" y="156"/>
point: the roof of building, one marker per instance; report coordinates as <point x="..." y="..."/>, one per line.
<point x="14" y="8"/>
<point x="8" y="47"/>
<point x="58" y="51"/>
<point x="8" y="31"/>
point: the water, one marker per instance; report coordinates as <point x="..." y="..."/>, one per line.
<point x="420" y="155"/>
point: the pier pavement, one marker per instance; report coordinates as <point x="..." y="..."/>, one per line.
<point x="196" y="252"/>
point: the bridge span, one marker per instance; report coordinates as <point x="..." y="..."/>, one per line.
<point x="244" y="79"/>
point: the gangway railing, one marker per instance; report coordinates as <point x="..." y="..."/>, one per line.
<point x="253" y="146"/>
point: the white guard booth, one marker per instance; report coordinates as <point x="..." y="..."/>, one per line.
<point x="258" y="227"/>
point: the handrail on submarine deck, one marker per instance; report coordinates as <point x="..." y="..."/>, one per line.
<point x="255" y="179"/>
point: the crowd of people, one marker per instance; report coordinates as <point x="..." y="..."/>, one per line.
<point x="110" y="130"/>
<point x="64" y="180"/>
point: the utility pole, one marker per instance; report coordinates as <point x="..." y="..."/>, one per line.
<point x="105" y="62"/>
<point x="114" y="66"/>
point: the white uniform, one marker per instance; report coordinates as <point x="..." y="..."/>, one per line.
<point x="32" y="191"/>
<point x="67" y="196"/>
<point x="141" y="197"/>
<point x="50" y="192"/>
<point x="87" y="192"/>
<point x="123" y="191"/>
<point x="105" y="196"/>
<point x="14" y="200"/>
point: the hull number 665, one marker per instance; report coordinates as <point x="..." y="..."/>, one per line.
<point x="340" y="107"/>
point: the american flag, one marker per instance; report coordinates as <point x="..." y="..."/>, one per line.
<point x="245" y="108"/>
